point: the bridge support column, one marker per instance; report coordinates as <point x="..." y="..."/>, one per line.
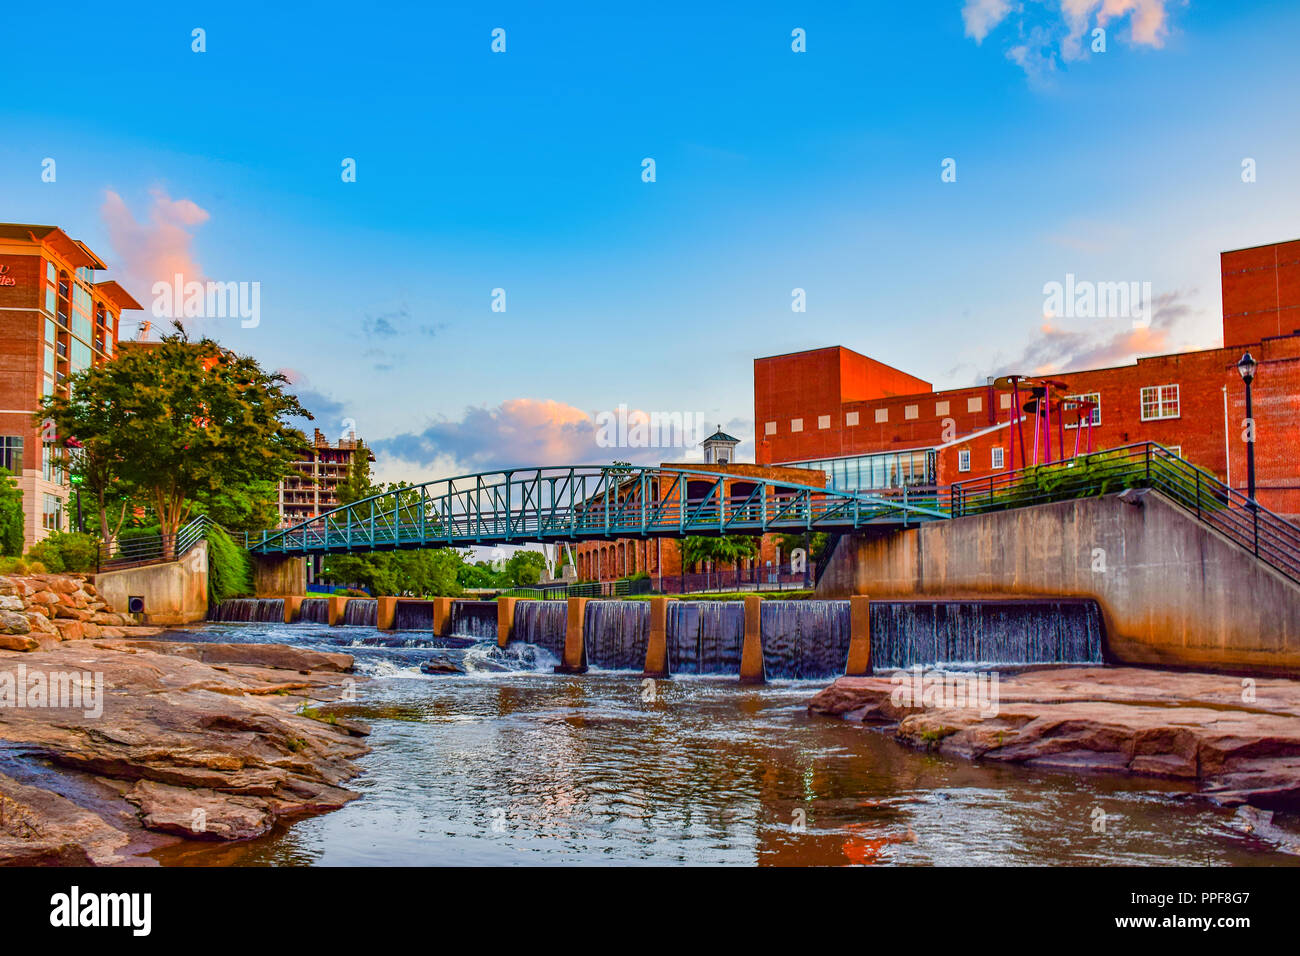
<point x="506" y="619"/>
<point x="274" y="576"/>
<point x="751" y="652"/>
<point x="292" y="605"/>
<point x="656" y="652"/>
<point x="385" y="613"/>
<point x="441" y="616"/>
<point x="575" y="651"/>
<point x="859" y="664"/>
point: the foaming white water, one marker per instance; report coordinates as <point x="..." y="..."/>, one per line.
<point x="488" y="658"/>
<point x="384" y="667"/>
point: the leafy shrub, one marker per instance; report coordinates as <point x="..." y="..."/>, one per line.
<point x="64" y="552"/>
<point x="11" y="516"/>
<point x="230" y="569"/>
<point x="15" y="565"/>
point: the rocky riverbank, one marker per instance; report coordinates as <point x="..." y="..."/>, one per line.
<point x="39" y="610"/>
<point x="112" y="746"/>
<point x="1237" y="739"/>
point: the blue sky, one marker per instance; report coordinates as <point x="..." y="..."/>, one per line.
<point x="775" y="170"/>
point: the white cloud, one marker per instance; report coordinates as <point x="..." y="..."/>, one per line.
<point x="981" y="16"/>
<point x="1063" y="27"/>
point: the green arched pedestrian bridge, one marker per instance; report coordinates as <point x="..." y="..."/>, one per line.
<point x="586" y="502"/>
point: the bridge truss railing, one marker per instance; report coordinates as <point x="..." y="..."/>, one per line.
<point x="1269" y="536"/>
<point x="576" y="503"/>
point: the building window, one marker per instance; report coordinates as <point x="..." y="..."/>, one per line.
<point x="882" y="415"/>
<point x="1159" y="401"/>
<point x="941" y="408"/>
<point x="911" y="411"/>
<point x="81" y="356"/>
<point x="823" y="421"/>
<point x="1176" y="449"/>
<point x="963" y="460"/>
<point x="1095" y="398"/>
<point x="997" y="457"/>
<point x="51" y="463"/>
<point x="11" y="454"/>
<point x="769" y="428"/>
<point x="975" y="404"/>
<point x="850" y="418"/>
<point x="52" y="514"/>
<point x="796" y="424"/>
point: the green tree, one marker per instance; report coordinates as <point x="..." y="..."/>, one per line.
<point x="818" y="545"/>
<point x="525" y="568"/>
<point x="11" y="516"/>
<point x="358" y="484"/>
<point x="249" y="507"/>
<point x="188" y="419"/>
<point x="85" y="422"/>
<point x="724" y="551"/>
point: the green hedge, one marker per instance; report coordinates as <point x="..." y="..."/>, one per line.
<point x="230" y="569"/>
<point x="66" y="552"/>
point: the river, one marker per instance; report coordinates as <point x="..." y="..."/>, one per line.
<point x="526" y="767"/>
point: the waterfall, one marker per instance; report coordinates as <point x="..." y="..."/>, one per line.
<point x="704" y="637"/>
<point x="477" y="619"/>
<point x="249" y="611"/>
<point x="616" y="634"/>
<point x="413" y="616"/>
<point x="805" y="639"/>
<point x="542" y="623"/>
<point x="359" y="612"/>
<point x="314" y="611"/>
<point x="904" y="633"/>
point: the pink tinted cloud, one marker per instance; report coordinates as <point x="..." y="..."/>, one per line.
<point x="519" y="431"/>
<point x="1064" y="350"/>
<point x="162" y="247"/>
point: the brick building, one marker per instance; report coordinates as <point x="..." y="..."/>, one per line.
<point x="56" y="318"/>
<point x="868" y="426"/>
<point x="662" y="557"/>
<point x="314" y="489"/>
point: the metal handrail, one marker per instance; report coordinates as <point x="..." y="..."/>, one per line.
<point x="1267" y="535"/>
<point x="134" y="552"/>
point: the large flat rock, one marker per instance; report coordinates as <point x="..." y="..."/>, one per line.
<point x="197" y="740"/>
<point x="1237" y="739"/>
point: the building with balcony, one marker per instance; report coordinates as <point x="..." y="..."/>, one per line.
<point x="313" y="489"/>
<point x="58" y="316"/>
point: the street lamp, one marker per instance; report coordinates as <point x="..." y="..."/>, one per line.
<point x="1247" y="367"/>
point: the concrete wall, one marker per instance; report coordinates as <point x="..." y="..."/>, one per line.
<point x="279" y="577"/>
<point x="174" y="593"/>
<point x="1172" y="592"/>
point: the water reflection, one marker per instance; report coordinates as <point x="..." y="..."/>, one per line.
<point x="536" y="768"/>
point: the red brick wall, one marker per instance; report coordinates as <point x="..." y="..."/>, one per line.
<point x="1199" y="429"/>
<point x="624" y="556"/>
<point x="21" y="352"/>
<point x="1261" y="292"/>
<point x="796" y="390"/>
